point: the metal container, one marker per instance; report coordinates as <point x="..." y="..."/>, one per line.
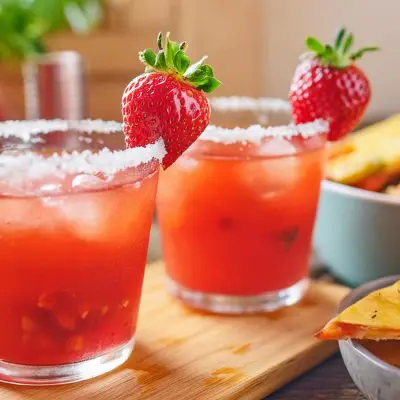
<point x="54" y="85"/>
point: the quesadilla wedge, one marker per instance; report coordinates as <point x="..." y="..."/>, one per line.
<point x="374" y="317"/>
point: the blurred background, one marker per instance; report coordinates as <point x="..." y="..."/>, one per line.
<point x="253" y="44"/>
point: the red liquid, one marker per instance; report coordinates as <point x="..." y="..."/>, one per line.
<point x="239" y="225"/>
<point x="72" y="271"/>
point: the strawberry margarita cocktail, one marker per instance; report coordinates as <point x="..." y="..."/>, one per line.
<point x="76" y="206"/>
<point x="74" y="230"/>
<point x="236" y="214"/>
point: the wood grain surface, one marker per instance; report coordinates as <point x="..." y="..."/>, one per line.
<point x="181" y="354"/>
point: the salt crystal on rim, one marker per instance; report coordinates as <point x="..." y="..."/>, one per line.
<point x="24" y="130"/>
<point x="255" y="133"/>
<point x="109" y="162"/>
<point x="33" y="165"/>
<point x="237" y="103"/>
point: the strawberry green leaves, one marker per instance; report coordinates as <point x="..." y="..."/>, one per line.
<point x="315" y="45"/>
<point x="339" y="38"/>
<point x="171" y="58"/>
<point x="181" y="61"/>
<point x="358" y="54"/>
<point x="340" y="55"/>
<point x="171" y="49"/>
<point x="148" y="57"/>
<point x="347" y="44"/>
<point x="201" y="76"/>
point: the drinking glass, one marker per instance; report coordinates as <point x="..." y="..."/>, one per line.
<point x="236" y="215"/>
<point x="75" y="216"/>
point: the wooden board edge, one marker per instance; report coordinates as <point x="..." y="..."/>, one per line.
<point x="271" y="380"/>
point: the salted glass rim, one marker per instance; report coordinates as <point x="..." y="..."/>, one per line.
<point x="257" y="142"/>
<point x="254" y="134"/>
<point x="109" y="162"/>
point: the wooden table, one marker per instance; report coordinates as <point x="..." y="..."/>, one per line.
<point x="328" y="381"/>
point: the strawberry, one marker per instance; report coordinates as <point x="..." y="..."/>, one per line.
<point x="328" y="85"/>
<point x="168" y="100"/>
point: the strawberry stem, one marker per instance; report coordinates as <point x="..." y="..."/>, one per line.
<point x="338" y="56"/>
<point x="172" y="59"/>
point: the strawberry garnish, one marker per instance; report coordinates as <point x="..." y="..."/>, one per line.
<point x="168" y="101"/>
<point x="327" y="84"/>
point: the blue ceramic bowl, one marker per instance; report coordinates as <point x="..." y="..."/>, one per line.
<point x="374" y="377"/>
<point x="357" y="233"/>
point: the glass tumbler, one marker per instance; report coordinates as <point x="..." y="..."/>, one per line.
<point x="75" y="216"/>
<point x="236" y="215"/>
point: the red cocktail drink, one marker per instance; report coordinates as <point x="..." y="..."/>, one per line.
<point x="237" y="213"/>
<point x="74" y="230"/>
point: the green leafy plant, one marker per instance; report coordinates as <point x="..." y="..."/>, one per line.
<point x="24" y="24"/>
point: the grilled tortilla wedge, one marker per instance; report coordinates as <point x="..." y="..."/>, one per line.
<point x="374" y="317"/>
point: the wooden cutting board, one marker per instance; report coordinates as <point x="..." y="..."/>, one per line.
<point x="183" y="355"/>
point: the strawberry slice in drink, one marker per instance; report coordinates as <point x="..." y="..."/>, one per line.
<point x="327" y="84"/>
<point x="168" y="100"/>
